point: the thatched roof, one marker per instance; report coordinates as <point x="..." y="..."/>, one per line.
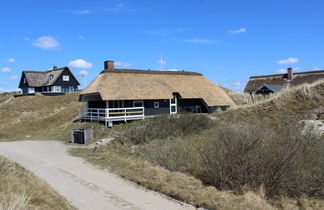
<point x="126" y="84"/>
<point x="44" y="78"/>
<point x="281" y="79"/>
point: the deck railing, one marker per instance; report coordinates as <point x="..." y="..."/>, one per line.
<point x="112" y="114"/>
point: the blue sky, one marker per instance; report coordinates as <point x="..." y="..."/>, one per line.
<point x="226" y="40"/>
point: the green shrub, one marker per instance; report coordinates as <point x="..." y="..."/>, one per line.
<point x="247" y="156"/>
<point x="167" y="126"/>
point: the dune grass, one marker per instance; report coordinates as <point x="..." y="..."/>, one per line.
<point x="134" y="155"/>
<point x="20" y="190"/>
<point x="174" y="184"/>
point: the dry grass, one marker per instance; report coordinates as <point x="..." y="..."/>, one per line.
<point x="20" y="190"/>
<point x="245" y="99"/>
<point x="48" y="118"/>
<point x="174" y="184"/>
<point x="53" y="117"/>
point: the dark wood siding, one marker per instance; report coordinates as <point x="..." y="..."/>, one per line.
<point x="192" y="106"/>
<point x="23" y="86"/>
<point x="66" y="84"/>
<point x="164" y="107"/>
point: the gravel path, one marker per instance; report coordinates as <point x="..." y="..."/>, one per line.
<point x="84" y="185"/>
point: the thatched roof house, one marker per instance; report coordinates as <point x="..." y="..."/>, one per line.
<point x="284" y="80"/>
<point x="56" y="80"/>
<point x="158" y="92"/>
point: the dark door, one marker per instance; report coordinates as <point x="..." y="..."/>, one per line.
<point x="78" y="137"/>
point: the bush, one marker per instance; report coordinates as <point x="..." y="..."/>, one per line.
<point x="167" y="126"/>
<point x="245" y="156"/>
<point x="284" y="161"/>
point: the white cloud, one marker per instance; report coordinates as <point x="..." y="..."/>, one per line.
<point x="290" y="60"/>
<point x="282" y="71"/>
<point x="9" y="90"/>
<point x="241" y="30"/>
<point x="83" y="73"/>
<point x="81" y="12"/>
<point x="173" y="70"/>
<point x="163" y="32"/>
<point x="46" y="43"/>
<point x="14" y="77"/>
<point x="316" y="68"/>
<point x="238" y="86"/>
<point x="123" y="64"/>
<point x="11" y="60"/>
<point x="80" y="64"/>
<point x="199" y="41"/>
<point x="119" y="8"/>
<point x="26" y="38"/>
<point x="6" y="69"/>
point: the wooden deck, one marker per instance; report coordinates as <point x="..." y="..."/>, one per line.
<point x="110" y="115"/>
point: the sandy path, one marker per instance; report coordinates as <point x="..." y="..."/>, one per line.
<point x="84" y="185"/>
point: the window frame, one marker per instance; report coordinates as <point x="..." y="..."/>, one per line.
<point x="66" y="78"/>
<point x="138" y="101"/>
<point x="156" y="104"/>
<point x="31" y="90"/>
<point x="55" y="89"/>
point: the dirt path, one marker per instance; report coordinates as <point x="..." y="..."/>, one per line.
<point x="84" y="185"/>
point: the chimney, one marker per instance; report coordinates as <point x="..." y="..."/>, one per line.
<point x="290" y="74"/>
<point x="109" y="65"/>
<point x="54" y="67"/>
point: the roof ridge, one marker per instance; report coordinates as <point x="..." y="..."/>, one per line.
<point x="295" y="73"/>
<point x="138" y="71"/>
<point x="43" y="72"/>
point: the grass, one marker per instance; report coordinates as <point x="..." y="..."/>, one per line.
<point x="245" y="99"/>
<point x="174" y="184"/>
<point x="152" y="153"/>
<point x="5" y="96"/>
<point x="48" y="118"/>
<point x="20" y="189"/>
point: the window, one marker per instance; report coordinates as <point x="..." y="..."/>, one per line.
<point x="50" y="77"/>
<point x="138" y="104"/>
<point x="71" y="88"/>
<point x="31" y="90"/>
<point x="66" y="78"/>
<point x="56" y="89"/>
<point x="156" y="104"/>
<point x="25" y="81"/>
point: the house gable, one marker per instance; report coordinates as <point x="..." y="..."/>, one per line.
<point x="71" y="82"/>
<point x="22" y="83"/>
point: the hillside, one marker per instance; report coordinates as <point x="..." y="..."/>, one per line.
<point x="38" y="117"/>
<point x="239" y="150"/>
<point x="301" y="103"/>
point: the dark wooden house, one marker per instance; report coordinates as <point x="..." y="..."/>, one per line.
<point x="52" y="82"/>
<point x="128" y="94"/>
<point x="276" y="82"/>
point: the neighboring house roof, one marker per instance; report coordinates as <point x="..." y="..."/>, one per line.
<point x="129" y="84"/>
<point x="273" y="88"/>
<point x="281" y="79"/>
<point x="45" y="78"/>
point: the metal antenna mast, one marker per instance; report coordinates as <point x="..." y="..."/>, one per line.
<point x="161" y="62"/>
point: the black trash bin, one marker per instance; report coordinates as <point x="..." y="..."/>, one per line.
<point x="81" y="136"/>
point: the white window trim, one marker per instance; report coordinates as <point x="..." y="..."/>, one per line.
<point x="142" y="102"/>
<point x="54" y="89"/>
<point x="31" y="90"/>
<point x="66" y="78"/>
<point x="156" y="104"/>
